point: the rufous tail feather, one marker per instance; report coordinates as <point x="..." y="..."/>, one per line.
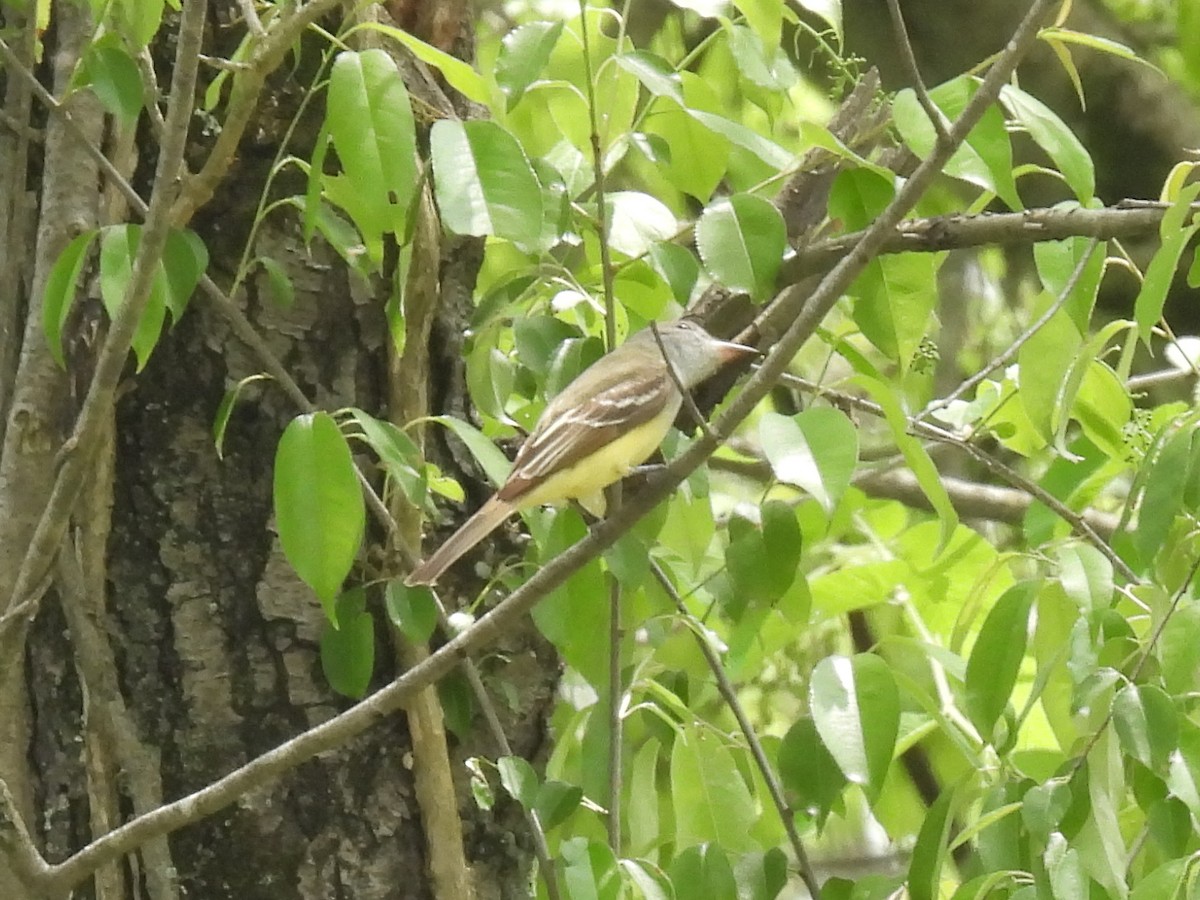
<point x="475" y="529"/>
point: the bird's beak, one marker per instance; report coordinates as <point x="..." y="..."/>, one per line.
<point x="728" y="351"/>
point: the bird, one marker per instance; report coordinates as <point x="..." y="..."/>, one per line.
<point x="604" y="424"/>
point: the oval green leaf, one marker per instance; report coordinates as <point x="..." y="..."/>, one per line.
<point x="484" y="183"/>
<point x="996" y="657"/>
<point x="816" y="450"/>
<point x="59" y="294"/>
<point x="741" y="241"/>
<point x="319" y="510"/>
<point x="856" y="708"/>
<point x="348" y="646"/>
<point x="371" y="123"/>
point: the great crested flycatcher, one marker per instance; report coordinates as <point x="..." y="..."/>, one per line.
<point x="603" y="424"/>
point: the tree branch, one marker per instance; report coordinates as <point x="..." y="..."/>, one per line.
<point x="956" y="232"/>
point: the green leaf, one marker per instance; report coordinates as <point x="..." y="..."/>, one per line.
<point x="519" y="779"/>
<point x="637" y="222"/>
<point x="996" y="657"/>
<point x="555" y="802"/>
<point x="281" y="289"/>
<point x="1176" y="230"/>
<point x="574" y="617"/>
<point x="458" y="707"/>
<point x="59" y="294"/>
<point x="1068" y="878"/>
<point x="698" y="159"/>
<point x="858" y="196"/>
<point x="742" y="240"/>
<point x="139" y="20"/>
<point x="1043" y="362"/>
<point x="1045" y="805"/>
<point x="1086" y="575"/>
<point x="495" y="464"/>
<point x="656" y="74"/>
<point x="1056" y="262"/>
<point x="484" y="183"/>
<point x="319" y="509"/>
<point x="704" y="872"/>
<point x="1052" y="135"/>
<point x="808" y="770"/>
<point x="524" y="53"/>
<point x="1163" y="496"/>
<point x="118" y="249"/>
<point x="914" y="453"/>
<point x="114" y="77"/>
<point x="985" y="159"/>
<point x="931" y="850"/>
<point x="816" y="450"/>
<point x="1061" y="35"/>
<point x="658" y="77"/>
<point x="711" y="801"/>
<point x="856" y="708"/>
<point x="651" y="882"/>
<point x="678" y="267"/>
<point x="589" y="870"/>
<point x="457" y="73"/>
<point x="185" y="259"/>
<point x="766" y="18"/>
<point x="642" y="799"/>
<point x="830" y="11"/>
<point x="1179" y="650"/>
<point x="348" y="646"/>
<point x="764" y="64"/>
<point x="412" y="610"/>
<point x="1146" y="724"/>
<point x="763" y="559"/>
<point x="401" y="458"/>
<point x="1183" y="775"/>
<point x="370" y="122"/>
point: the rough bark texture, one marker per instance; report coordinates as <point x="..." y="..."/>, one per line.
<point x="181" y="644"/>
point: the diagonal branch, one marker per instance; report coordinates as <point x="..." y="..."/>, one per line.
<point x="958" y="231"/>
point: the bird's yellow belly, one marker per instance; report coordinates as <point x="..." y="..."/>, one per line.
<point x="587" y="479"/>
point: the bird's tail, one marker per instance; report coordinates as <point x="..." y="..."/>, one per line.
<point x="475" y="529"/>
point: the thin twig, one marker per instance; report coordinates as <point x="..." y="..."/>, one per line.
<point x="1011" y="351"/>
<point x="616" y="690"/>
<point x="909" y="62"/>
<point x="729" y="695"/>
<point x="253" y="23"/>
<point x="1083" y="754"/>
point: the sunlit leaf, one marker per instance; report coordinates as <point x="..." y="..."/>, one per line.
<point x="484" y="182"/>
<point x="856" y="708"/>
<point x="816" y="450"/>
<point x="741" y="241"/>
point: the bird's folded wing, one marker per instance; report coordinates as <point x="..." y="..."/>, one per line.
<point x="579" y="428"/>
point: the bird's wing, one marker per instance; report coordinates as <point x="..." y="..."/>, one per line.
<point x="572" y="428"/>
